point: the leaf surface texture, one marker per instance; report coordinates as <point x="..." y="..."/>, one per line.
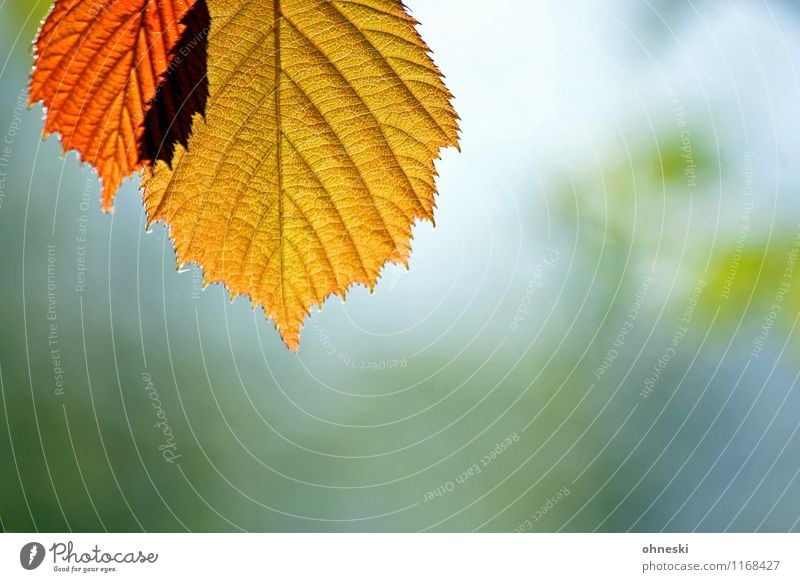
<point x="315" y="156"/>
<point x="98" y="66"/>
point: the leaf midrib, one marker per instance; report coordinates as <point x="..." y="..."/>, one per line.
<point x="278" y="15"/>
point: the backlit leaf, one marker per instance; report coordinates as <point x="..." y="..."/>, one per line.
<point x="316" y="153"/>
<point x="99" y="64"/>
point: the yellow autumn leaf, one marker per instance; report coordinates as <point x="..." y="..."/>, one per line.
<point x="315" y="155"/>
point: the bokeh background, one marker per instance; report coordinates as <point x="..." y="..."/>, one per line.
<point x="600" y="334"/>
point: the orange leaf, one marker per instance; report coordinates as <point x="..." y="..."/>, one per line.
<point x="99" y="64"/>
<point x="316" y="153"/>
